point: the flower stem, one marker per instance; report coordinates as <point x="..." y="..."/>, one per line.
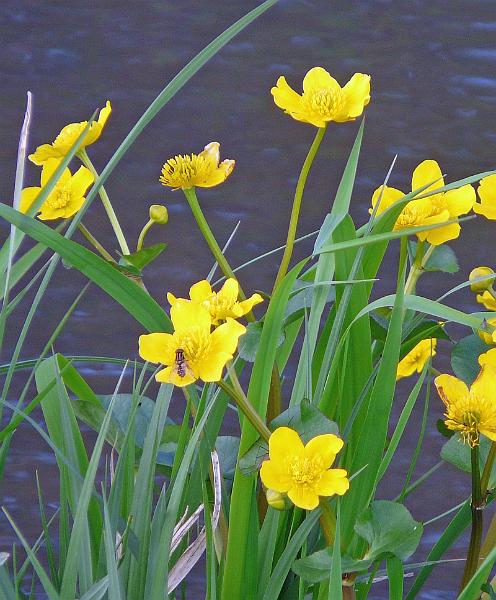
<point x="85" y="159"/>
<point x="476" y="533"/>
<point x="144" y="231"/>
<point x="95" y="243"/>
<point x="327" y="521"/>
<point x="488" y="467"/>
<point x="246" y="408"/>
<point x="295" y="211"/>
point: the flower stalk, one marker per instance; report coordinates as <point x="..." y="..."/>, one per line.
<point x="295" y="211"/>
<point x="95" y="243"/>
<point x="85" y="159"/>
<point x="143" y="233"/>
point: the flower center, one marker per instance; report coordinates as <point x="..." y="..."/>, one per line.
<point x="195" y="344"/>
<point x="470" y="432"/>
<point x="326" y="103"/>
<point x="60" y="198"/>
<point x="305" y="472"/>
<point x="184" y="170"/>
<point x="407" y="218"/>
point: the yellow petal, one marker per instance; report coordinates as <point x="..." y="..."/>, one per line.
<point x="171" y="299"/>
<point x="283" y="442"/>
<point x="324" y="447"/>
<point x="487" y="189"/>
<point x="486" y="209"/>
<point x="484" y="384"/>
<point x="451" y="389"/>
<point x="81" y="181"/>
<point x="460" y="201"/>
<point x="440" y="235"/>
<point x="43" y="153"/>
<point x="319" y="79"/>
<point x="357" y="94"/>
<point x="199" y="292"/>
<point x="242" y="308"/>
<point x="169" y="375"/>
<point x="488" y="358"/>
<point x="104" y="114"/>
<point x="490" y="433"/>
<point x="73" y="206"/>
<point x="487" y="300"/>
<point x="303" y="497"/>
<point x="275" y="477"/>
<point x="211" y="153"/>
<point x="225" y="337"/>
<point x="388" y="196"/>
<point x="285" y="97"/>
<point x="50" y="214"/>
<point x="210" y="367"/>
<point x="334" y="481"/>
<point x="187" y="314"/>
<point x="28" y="196"/>
<point x="229" y="291"/>
<point x="49" y="168"/>
<point x="427" y="172"/>
<point x="157" y="348"/>
<point x="216" y="176"/>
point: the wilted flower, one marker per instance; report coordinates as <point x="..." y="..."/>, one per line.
<point x="66" y="198"/>
<point x="471" y="412"/>
<point x="417" y="357"/>
<point x="487" y="195"/>
<point x="303" y="472"/>
<point x="221" y="304"/>
<point x="193" y="351"/>
<point x="196" y="170"/>
<point x="68" y="136"/>
<point x="438" y="208"/>
<point x="323" y="99"/>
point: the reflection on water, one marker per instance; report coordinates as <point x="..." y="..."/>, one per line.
<point x="434" y="95"/>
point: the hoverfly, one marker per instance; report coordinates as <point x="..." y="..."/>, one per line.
<point x="180" y="365"/>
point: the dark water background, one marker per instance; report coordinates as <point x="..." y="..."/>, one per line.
<point x="433" y="96"/>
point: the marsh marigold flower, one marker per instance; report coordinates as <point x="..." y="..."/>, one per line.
<point x="438" y="208"/>
<point x="196" y="170"/>
<point x="323" y="99"/>
<point x="417" y="357"/>
<point x="66" y="198"/>
<point x="471" y="412"/>
<point x="303" y="471"/>
<point x="68" y="136"/>
<point x="487" y="195"/>
<point x="221" y="304"/>
<point x="193" y="351"/>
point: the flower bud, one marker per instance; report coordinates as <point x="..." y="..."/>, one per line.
<point x="481" y="286"/>
<point x="159" y="214"/>
<point x="277" y="500"/>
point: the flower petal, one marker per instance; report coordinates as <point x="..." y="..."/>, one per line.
<point x="210" y="366"/>
<point x="319" y="79"/>
<point x="275" y="477"/>
<point x="28" y="196"/>
<point x="211" y="153"/>
<point x="303" y="497"/>
<point x="225" y="337"/>
<point x="451" y="389"/>
<point x="81" y="181"/>
<point x="201" y="291"/>
<point x="427" y="172"/>
<point x="440" y="235"/>
<point x="229" y="291"/>
<point x="185" y="314"/>
<point x="49" y="168"/>
<point x="284" y="442"/>
<point x="357" y="94"/>
<point x="157" y="348"/>
<point x="285" y="97"/>
<point x="488" y="358"/>
<point x="487" y="209"/>
<point x="460" y="201"/>
<point x="487" y="300"/>
<point x="43" y="153"/>
<point x="242" y="308"/>
<point x="104" y="114"/>
<point x="325" y="447"/>
<point x="169" y="375"/>
<point x="334" y="481"/>
<point x="484" y="384"/>
<point x="388" y="196"/>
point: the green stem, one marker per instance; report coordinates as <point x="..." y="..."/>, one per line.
<point x="295" y="211"/>
<point x="144" y="231"/>
<point x="247" y="409"/>
<point x="85" y="159"/>
<point x="327" y="521"/>
<point x="488" y="467"/>
<point x="421" y="258"/>
<point x="94" y="242"/>
<point x="476" y="508"/>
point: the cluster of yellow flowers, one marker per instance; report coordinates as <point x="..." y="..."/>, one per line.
<point x="67" y="197"/>
<point x="195" y="351"/>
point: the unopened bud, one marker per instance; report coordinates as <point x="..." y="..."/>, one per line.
<point x="159" y="214"/>
<point x="481" y="286"/>
<point x="277" y="500"/>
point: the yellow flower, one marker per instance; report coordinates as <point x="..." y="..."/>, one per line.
<point x="417" y="357"/>
<point x="487" y="300"/>
<point x="486" y="334"/>
<point x="67" y="196"/>
<point x="488" y="358"/>
<point x="438" y="208"/>
<point x="470" y="411"/>
<point x="487" y="194"/>
<point x="196" y="170"/>
<point x="192" y="352"/>
<point x="477" y="273"/>
<point x="222" y="304"/>
<point x="67" y="137"/>
<point x="303" y="472"/>
<point x="323" y="99"/>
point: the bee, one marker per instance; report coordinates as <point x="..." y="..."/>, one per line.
<point x="181" y="366"/>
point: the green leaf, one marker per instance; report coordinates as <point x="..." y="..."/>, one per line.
<point x="457" y="454"/>
<point x="143" y="257"/>
<point x="464" y="357"/>
<point x="443" y="259"/>
<point x="138" y="303"/>
<point x="250" y="341"/>
<point x="395" y="575"/>
<point x="227" y="447"/>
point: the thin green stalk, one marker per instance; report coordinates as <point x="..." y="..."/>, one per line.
<point x="85" y="159"/>
<point x="488" y="467"/>
<point x="476" y="508"/>
<point x="295" y="211"/>
<point x="144" y="231"/>
<point x="95" y="243"/>
<point x="247" y="409"/>
<point x="327" y="521"/>
<point x="421" y="258"/>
